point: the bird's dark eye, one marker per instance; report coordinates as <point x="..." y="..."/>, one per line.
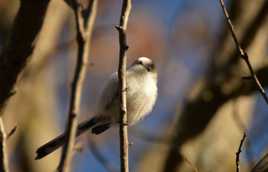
<point x="148" y="67"/>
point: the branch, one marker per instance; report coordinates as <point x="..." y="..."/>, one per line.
<point x="248" y="35"/>
<point x="243" y="53"/>
<point x="203" y="110"/>
<point x="241" y="126"/>
<point x="221" y="40"/>
<point x="16" y="53"/>
<point x="3" y="151"/>
<point x="84" y="33"/>
<point x="123" y="129"/>
<point x="237" y="159"/>
<point x="209" y="97"/>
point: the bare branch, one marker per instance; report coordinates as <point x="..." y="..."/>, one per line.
<point x="248" y="35"/>
<point x="123" y="129"/>
<point x="243" y="53"/>
<point x="83" y="41"/>
<point x="241" y="126"/>
<point x="15" y="55"/>
<point x="237" y="159"/>
<point x="245" y="57"/>
<point x="203" y="109"/>
<point x="3" y="151"/>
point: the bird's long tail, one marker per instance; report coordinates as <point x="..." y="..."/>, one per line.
<point x="54" y="144"/>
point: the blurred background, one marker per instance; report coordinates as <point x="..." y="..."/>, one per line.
<point x="204" y="104"/>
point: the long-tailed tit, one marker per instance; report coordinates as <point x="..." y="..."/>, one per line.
<point x="141" y="77"/>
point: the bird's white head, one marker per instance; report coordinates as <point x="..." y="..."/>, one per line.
<point x="144" y="63"/>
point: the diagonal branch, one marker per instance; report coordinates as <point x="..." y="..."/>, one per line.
<point x="83" y="40"/>
<point x="16" y="53"/>
<point x="245" y="57"/>
<point x="248" y="35"/>
<point x="210" y="96"/>
<point x="123" y="129"/>
<point x="243" y="53"/>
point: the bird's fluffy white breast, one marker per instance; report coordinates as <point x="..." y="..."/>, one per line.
<point x="142" y="94"/>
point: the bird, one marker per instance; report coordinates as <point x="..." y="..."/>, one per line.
<point x="141" y="95"/>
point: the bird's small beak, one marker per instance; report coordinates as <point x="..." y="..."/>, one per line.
<point x="150" y="67"/>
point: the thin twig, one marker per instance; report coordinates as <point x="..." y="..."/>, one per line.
<point x="123" y="129"/>
<point x="243" y="53"/>
<point x="245" y="57"/>
<point x="237" y="159"/>
<point x="84" y="33"/>
<point x="3" y="151"/>
<point x="242" y="127"/>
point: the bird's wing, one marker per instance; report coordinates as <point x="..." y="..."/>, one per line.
<point x="109" y="93"/>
